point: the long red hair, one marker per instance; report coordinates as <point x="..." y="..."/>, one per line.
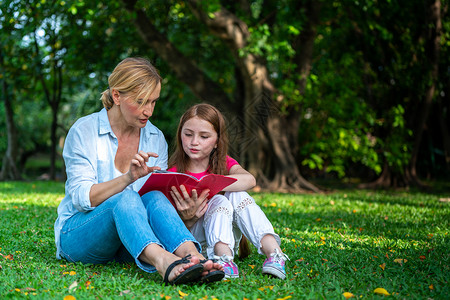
<point x="217" y="158"/>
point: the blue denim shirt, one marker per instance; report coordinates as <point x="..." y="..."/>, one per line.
<point x="89" y="152"/>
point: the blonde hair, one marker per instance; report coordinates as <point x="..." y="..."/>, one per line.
<point x="217" y="158"/>
<point x="133" y="76"/>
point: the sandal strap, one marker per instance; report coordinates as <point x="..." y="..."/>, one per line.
<point x="184" y="260"/>
<point x="205" y="260"/>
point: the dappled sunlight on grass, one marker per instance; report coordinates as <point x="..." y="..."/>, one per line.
<point x="340" y="245"/>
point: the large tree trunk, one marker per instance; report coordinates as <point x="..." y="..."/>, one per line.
<point x="434" y="39"/>
<point x="9" y="168"/>
<point x="54" y="105"/>
<point x="445" y="132"/>
<point x="53" y="98"/>
<point x="269" y="154"/>
<point x="304" y="47"/>
<point x="409" y="175"/>
<point x="184" y="68"/>
<point x="266" y="142"/>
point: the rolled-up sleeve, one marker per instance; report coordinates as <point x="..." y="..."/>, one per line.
<point x="163" y="155"/>
<point x="81" y="167"/>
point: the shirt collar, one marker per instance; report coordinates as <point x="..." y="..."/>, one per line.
<point x="104" y="126"/>
<point x="103" y="123"/>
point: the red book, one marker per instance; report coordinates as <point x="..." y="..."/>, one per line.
<point x="164" y="180"/>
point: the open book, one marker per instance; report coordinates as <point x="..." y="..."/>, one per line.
<point x="164" y="180"/>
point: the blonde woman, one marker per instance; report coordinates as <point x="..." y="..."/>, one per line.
<point x="108" y="157"/>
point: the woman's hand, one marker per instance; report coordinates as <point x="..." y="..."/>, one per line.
<point x="190" y="208"/>
<point x="138" y="166"/>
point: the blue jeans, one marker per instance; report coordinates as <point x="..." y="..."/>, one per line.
<point x="120" y="228"/>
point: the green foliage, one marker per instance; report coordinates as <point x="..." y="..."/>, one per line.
<point x="368" y="76"/>
<point x="345" y="241"/>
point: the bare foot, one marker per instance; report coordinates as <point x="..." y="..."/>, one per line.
<point x="209" y="266"/>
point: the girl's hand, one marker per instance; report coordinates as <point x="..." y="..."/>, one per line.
<point x="190" y="208"/>
<point x="138" y="166"/>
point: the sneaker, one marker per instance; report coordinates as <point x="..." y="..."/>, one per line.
<point x="229" y="267"/>
<point x="274" y="265"/>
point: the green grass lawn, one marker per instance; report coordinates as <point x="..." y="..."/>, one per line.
<point x="342" y="242"/>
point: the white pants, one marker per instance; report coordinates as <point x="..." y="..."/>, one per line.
<point x="227" y="218"/>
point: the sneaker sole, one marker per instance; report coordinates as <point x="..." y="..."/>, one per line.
<point x="230" y="276"/>
<point x="274" y="272"/>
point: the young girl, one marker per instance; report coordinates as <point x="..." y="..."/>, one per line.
<point x="219" y="222"/>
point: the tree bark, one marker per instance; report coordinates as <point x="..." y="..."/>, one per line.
<point x="409" y="175"/>
<point x="445" y="133"/>
<point x="9" y="167"/>
<point x="434" y="39"/>
<point x="53" y="99"/>
<point x="270" y="153"/>
<point x="184" y="68"/>
<point x="304" y="47"/>
<point x="263" y="139"/>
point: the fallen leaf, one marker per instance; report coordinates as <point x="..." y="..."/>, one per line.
<point x="382" y="266"/>
<point x="381" y="291"/>
<point x="69" y="297"/>
<point x="285" y="298"/>
<point x="348" y="295"/>
<point x="9" y="256"/>
<point x="252" y="266"/>
<point x="400" y="261"/>
<point x="444" y="199"/>
<point x="182" y="294"/>
<point x="72" y="273"/>
<point x="422" y="257"/>
<point x="431" y="287"/>
<point x="124" y="292"/>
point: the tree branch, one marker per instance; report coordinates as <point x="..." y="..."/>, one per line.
<point x="184" y="68"/>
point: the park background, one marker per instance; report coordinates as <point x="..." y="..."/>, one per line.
<point x="346" y="97"/>
<point x="356" y="91"/>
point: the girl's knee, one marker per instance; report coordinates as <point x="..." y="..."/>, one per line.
<point x="240" y="200"/>
<point x="220" y="201"/>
